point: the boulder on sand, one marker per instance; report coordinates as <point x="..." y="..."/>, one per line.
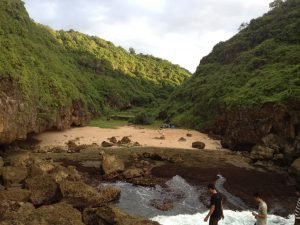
<point x="125" y="140"/>
<point x="113" y="140"/>
<point x="198" y="144"/>
<point x="106" y="144"/>
<point x="182" y="139"/>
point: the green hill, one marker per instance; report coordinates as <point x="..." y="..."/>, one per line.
<point x="55" y="78"/>
<point x="259" y="65"/>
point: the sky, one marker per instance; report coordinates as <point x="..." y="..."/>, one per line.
<point x="181" y="31"/>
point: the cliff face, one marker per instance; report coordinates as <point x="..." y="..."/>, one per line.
<point x="57" y="79"/>
<point x="19" y="117"/>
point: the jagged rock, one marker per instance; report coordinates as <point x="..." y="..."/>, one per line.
<point x="13" y="175"/>
<point x="260" y="152"/>
<point x="44" y="190"/>
<point x="40" y="168"/>
<point x="189" y="135"/>
<point x="133" y="173"/>
<point x="106" y="144"/>
<point x="21" y="160"/>
<point x="162" y="205"/>
<point x="113" y="140"/>
<point x="81" y="195"/>
<point x="110" y="215"/>
<point x="58" y="214"/>
<point x="111" y="164"/>
<point x="125" y="140"/>
<point x="273" y="141"/>
<point x="198" y="144"/>
<point x="74" y="148"/>
<point x="182" y="139"/>
<point x="15" y="194"/>
<point x="60" y="173"/>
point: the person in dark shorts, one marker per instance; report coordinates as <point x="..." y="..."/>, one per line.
<point x="297" y="209"/>
<point x="215" y="213"/>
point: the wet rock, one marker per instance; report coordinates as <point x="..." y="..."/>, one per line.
<point x="125" y="140"/>
<point x="81" y="195"/>
<point x="44" y="190"/>
<point x="58" y="214"/>
<point x="162" y="205"/>
<point x="182" y="139"/>
<point x="260" y="152"/>
<point x="110" y="215"/>
<point x="111" y="164"/>
<point x="13" y="175"/>
<point x="106" y="144"/>
<point x="113" y="140"/>
<point x="133" y="173"/>
<point x="15" y="194"/>
<point x="198" y="144"/>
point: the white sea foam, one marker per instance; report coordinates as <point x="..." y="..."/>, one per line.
<point x="231" y="218"/>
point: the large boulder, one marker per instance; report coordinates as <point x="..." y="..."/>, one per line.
<point x="58" y="214"/>
<point x="81" y="195"/>
<point x="198" y="144"/>
<point x="111" y="164"/>
<point x="112" y="216"/>
<point x="44" y="190"/>
<point x="15" y="194"/>
<point x="260" y="152"/>
<point x="60" y="173"/>
<point x="13" y="175"/>
<point x="125" y="140"/>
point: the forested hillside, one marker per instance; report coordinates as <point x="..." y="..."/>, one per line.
<point x="251" y="78"/>
<point x="53" y="79"/>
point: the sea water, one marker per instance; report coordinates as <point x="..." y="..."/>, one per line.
<point x="188" y="208"/>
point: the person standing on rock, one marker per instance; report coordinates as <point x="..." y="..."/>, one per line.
<point x="215" y="213"/>
<point x="297" y="209"/>
<point x="261" y="215"/>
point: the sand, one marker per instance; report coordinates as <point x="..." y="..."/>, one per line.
<point x="146" y="137"/>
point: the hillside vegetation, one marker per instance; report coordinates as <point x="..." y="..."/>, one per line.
<point x="55" y="68"/>
<point x="261" y="64"/>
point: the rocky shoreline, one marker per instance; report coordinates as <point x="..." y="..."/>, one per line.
<point x="68" y="177"/>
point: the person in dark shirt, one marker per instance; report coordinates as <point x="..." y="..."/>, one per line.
<point x="215" y="213"/>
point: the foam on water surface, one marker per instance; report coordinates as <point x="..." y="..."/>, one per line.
<point x="231" y="218"/>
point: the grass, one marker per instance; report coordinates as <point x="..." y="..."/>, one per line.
<point x="104" y="123"/>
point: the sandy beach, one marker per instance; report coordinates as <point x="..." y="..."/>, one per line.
<point x="146" y="137"/>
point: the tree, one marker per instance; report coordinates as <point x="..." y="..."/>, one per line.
<point x="276" y="4"/>
<point x="132" y="51"/>
<point x="243" y="26"/>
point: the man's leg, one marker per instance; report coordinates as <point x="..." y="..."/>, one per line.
<point x="213" y="221"/>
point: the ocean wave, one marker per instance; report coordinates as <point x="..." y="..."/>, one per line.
<point x="231" y="218"/>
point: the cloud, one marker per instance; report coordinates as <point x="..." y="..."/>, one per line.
<point x="182" y="31"/>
